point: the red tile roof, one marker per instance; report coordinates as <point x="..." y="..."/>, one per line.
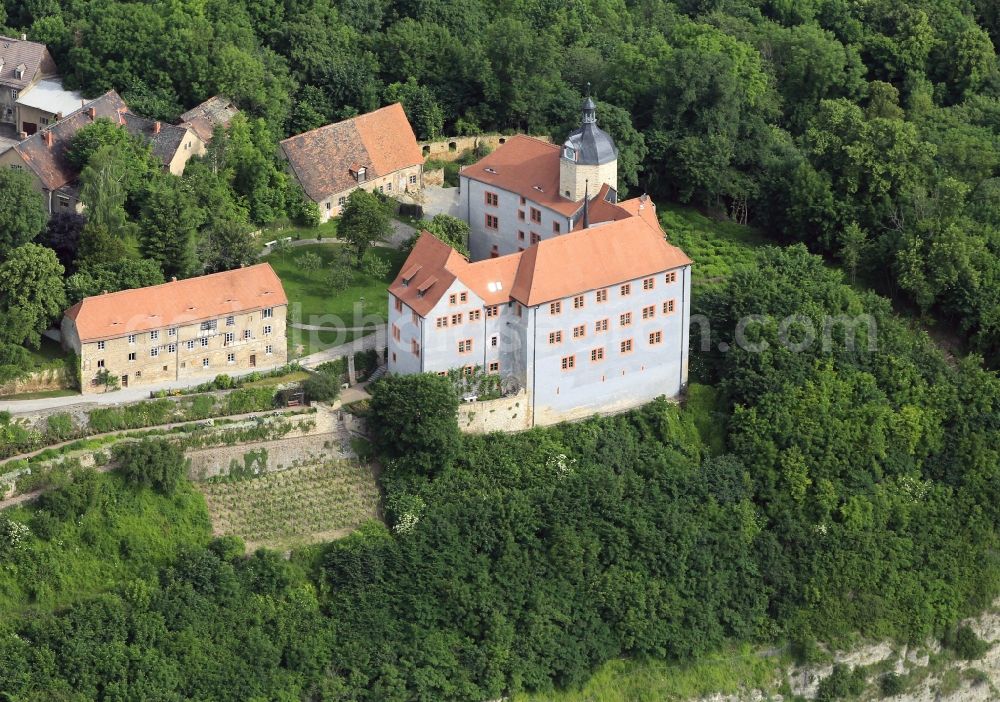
<point x="322" y="159"/>
<point x="608" y="253"/>
<point x="176" y="303"/>
<point x="528" y="167"/>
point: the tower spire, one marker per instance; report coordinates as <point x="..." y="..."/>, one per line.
<point x="589" y="109"/>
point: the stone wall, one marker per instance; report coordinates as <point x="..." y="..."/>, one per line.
<point x="40" y="381"/>
<point x="452" y="148"/>
<point x="508" y="414"/>
<point x="435" y="177"/>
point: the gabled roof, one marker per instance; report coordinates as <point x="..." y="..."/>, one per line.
<point x="381" y="141"/>
<point x="46" y="155"/>
<point x="606" y="254"/>
<point x="217" y="111"/>
<point x="528" y="167"/>
<point x="29" y="56"/>
<point x="164" y="139"/>
<point x="176" y="303"/>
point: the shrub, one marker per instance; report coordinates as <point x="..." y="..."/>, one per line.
<point x="153" y="463"/>
<point x="842" y="683"/>
<point x="366" y="361"/>
<point x="223" y="382"/>
<point x="964" y="642"/>
<point x="60" y="426"/>
<point x="247" y="400"/>
<point x="375" y="267"/>
<point x="336" y="369"/>
<point x="321" y="387"/>
<point x="309" y="261"/>
<point x="892" y="685"/>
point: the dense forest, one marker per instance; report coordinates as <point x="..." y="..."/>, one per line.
<point x="868" y="131"/>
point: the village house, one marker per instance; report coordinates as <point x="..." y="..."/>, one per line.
<point x="23" y="64"/>
<point x="570" y="295"/>
<point x="231" y="322"/>
<point x="217" y="111"/>
<point x="374" y="151"/>
<point x="43" y="154"/>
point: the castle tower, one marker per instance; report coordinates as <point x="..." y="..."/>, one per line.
<point x="589" y="157"/>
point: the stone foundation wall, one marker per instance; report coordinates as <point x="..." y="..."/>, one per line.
<point x="435" y="177"/>
<point x="508" y="414"/>
<point x="50" y="379"/>
<point x="452" y="148"/>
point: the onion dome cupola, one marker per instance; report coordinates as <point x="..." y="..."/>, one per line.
<point x="588" y="155"/>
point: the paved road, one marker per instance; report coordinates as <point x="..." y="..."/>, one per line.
<point x="371" y="341"/>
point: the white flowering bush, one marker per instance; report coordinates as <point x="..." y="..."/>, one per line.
<point x="561" y="464"/>
<point x="12" y="535"/>
<point x="407" y="510"/>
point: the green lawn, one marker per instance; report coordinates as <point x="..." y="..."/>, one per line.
<point x="327" y="230"/>
<point x="715" y="247"/>
<point x="362" y="304"/>
<point x="48" y="352"/>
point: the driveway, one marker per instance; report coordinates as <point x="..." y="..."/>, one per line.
<point x="439" y="200"/>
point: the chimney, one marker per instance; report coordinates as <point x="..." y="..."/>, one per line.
<point x="24" y="37"/>
<point x="47" y="136"/>
<point x="174" y="278"/>
<point x="156" y="128"/>
<point x="59" y="116"/>
<point x="22" y="136"/>
<point x="92" y="112"/>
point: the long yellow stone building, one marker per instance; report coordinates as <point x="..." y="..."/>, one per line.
<point x="231" y="322"/>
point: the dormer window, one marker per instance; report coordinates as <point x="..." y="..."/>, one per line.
<point x="569" y="153"/>
<point x="361" y="174"/>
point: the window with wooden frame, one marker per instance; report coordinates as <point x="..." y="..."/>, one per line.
<point x="494" y="340"/>
<point x="463" y="297"/>
<point x="493" y="311"/>
<point x="555" y="337"/>
<point x="492" y="199"/>
<point x="568" y="362"/>
<point x="520" y="215"/>
<point x="625" y="289"/>
<point x="468" y="370"/>
<point x="601" y="325"/>
<point x="580" y="331"/>
<point x="494" y="366"/>
<point x="442" y="322"/>
<point x="556" y="228"/>
<point x="655" y="337"/>
<point x="670" y="277"/>
<point x="415" y="319"/>
<point x="555" y="308"/>
<point x="492" y="221"/>
<point x="415" y="347"/>
<point x="625" y="346"/>
<point x="456" y="319"/>
<point x="536" y="215"/>
<point x="649" y="312"/>
<point x="625" y="319"/>
<point x="597" y="354"/>
<point x="399" y="305"/>
<point x="648" y="283"/>
<point x="577" y="302"/>
<point x="668" y="307"/>
<point x="520" y="235"/>
<point x="465" y="346"/>
<point x="474" y="315"/>
<point x="395" y="332"/>
<point x="601" y="295"/>
<point x="453" y="299"/>
<point x="535" y="238"/>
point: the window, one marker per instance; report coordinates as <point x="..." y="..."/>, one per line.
<point x="268" y="349"/>
<point x="172" y="331"/>
<point x="456" y="319"/>
<point x="668" y="307"/>
<point x="493" y="311"/>
<point x="492" y="199"/>
<point x="492" y="222"/>
<point x="399" y="305"/>
<point x="649" y="312"/>
<point x="413" y="180"/>
<point x="204" y="341"/>
<point x="100" y="345"/>
<point x="190" y="343"/>
<point x="131" y="338"/>
<point x="247" y="334"/>
<point x="14" y="94"/>
<point x="597" y="354"/>
<point x="520" y="235"/>
<point x="578" y="302"/>
<point x="465" y="346"/>
<point x="230" y="321"/>
<point x="601" y="295"/>
<point x="63" y="201"/>
<point x="329" y="206"/>
<point x="467" y="370"/>
<point x="625" y="319"/>
<point x="523" y="201"/>
<point x="648" y="283"/>
<point x="341" y="201"/>
<point x="520" y="215"/>
<point x="229" y="338"/>
<point x="555" y="308"/>
<point x="100" y="363"/>
<point x="415" y="319"/>
<point x="626" y="289"/>
<point x="535" y="238"/>
<point x="442" y="322"/>
<point x="494" y="366"/>
<point x="655" y="337"/>
<point x="204" y="363"/>
<point x="210" y="325"/>
<point x="131" y="356"/>
<point x="494" y="251"/>
<point x="536" y="216"/>
<point x="475" y="315"/>
<point x="388" y="187"/>
<point x="463" y="297"/>
<point x="670" y="277"/>
<point x="381" y="188"/>
<point x="601" y="325"/>
<point x="555" y="337"/>
<point x="452" y="299"/>
<point x="626" y="346"/>
<point x="267" y="313"/>
<point x="45" y="121"/>
<point x="555" y="227"/>
<point x="568" y="362"/>
<point x="580" y="331"/>
<point x="267" y="330"/>
<point x="154" y="352"/>
<point x="154" y="335"/>
<point x="493" y="340"/>
<point x="171" y="348"/>
<point x="395" y="332"/>
<point x="138" y="374"/>
<point x="517" y="309"/>
<point x="230" y="358"/>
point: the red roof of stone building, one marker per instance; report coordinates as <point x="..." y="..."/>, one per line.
<point x="176" y="303"/>
<point x="528" y="167"/>
<point x="29" y="56"/>
<point x="608" y="253"/>
<point x="217" y="111"/>
<point x="322" y="159"/>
